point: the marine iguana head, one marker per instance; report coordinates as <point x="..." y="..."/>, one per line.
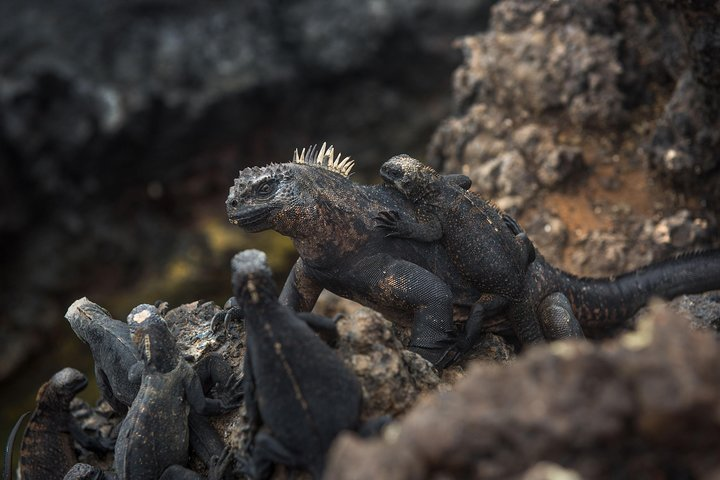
<point x="410" y="177"/>
<point x="82" y="314"/>
<point x="153" y="338"/>
<point x="252" y="278"/>
<point x="62" y="387"/>
<point x="284" y="197"/>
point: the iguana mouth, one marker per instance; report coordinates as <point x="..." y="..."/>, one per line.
<point x="255" y="219"/>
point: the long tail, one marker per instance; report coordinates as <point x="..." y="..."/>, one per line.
<point x="7" y="468"/>
<point x="603" y="303"/>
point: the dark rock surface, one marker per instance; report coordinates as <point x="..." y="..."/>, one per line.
<point x="642" y="406"/>
<point x="121" y="124"/>
<point x="687" y="137"/>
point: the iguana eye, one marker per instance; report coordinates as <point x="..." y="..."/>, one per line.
<point x="264" y="189"/>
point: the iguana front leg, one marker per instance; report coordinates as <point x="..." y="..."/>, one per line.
<point x="426" y="228"/>
<point x="300" y="291"/>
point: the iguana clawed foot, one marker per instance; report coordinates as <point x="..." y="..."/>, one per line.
<point x="232" y="393"/>
<point x="231" y="312"/>
<point x="393" y="224"/>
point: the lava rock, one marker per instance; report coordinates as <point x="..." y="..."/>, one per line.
<point x="644" y="405"/>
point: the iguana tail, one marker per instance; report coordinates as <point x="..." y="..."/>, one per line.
<point x="603" y="303"/>
<point x="7" y="467"/>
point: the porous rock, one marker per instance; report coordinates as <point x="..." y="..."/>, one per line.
<point x="391" y="377"/>
<point x="643" y="405"/>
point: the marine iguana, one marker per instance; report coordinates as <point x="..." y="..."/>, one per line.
<point x="487" y="246"/>
<point x="482" y="249"/>
<point x="550" y="296"/>
<point x="47" y="449"/>
<point x="154" y="434"/>
<point x="330" y="219"/>
<point x="297" y="387"/>
<point x="115" y="355"/>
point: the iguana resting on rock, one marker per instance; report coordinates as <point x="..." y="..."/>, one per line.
<point x="331" y="221"/>
<point x="470" y="229"/>
<point x="114" y="355"/>
<point x="474" y="232"/>
<point x="297" y="388"/>
<point x="154" y="434"/>
<point x="459" y="219"/>
<point x="47" y="450"/>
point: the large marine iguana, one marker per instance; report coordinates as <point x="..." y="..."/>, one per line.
<point x="549" y="295"/>
<point x="297" y="388"/>
<point x="154" y="434"/>
<point x="330" y="219"/>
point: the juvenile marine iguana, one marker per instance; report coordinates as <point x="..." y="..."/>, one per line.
<point x="479" y="245"/>
<point x="330" y="219"/>
<point x="47" y="449"/>
<point x="114" y="355"/>
<point x="548" y="295"/>
<point x="297" y="387"/>
<point x="154" y="434"/>
<point x="474" y="232"/>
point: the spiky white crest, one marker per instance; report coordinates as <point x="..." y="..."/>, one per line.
<point x="325" y="158"/>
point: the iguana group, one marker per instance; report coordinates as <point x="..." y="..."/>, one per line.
<point x="331" y="220"/>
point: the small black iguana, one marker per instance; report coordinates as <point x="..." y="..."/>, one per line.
<point x="154" y="434"/>
<point x="331" y="221"/>
<point x="47" y="449"/>
<point x="479" y="245"/>
<point x="550" y="298"/>
<point x="475" y="233"/>
<point x="297" y="387"/>
<point x="114" y="355"/>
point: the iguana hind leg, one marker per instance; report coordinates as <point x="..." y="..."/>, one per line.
<point x="557" y="318"/>
<point x="398" y="284"/>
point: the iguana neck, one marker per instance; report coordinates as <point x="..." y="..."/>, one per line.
<point x="328" y="221"/>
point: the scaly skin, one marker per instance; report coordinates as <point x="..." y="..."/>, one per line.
<point x="47" y="450"/>
<point x="115" y="355"/>
<point x="474" y="232"/>
<point x="154" y="435"/>
<point x="330" y="219"/>
<point x="547" y="296"/>
<point x="296" y="385"/>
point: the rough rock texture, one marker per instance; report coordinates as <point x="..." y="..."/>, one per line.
<point x="686" y="140"/>
<point x="556" y="108"/>
<point x="122" y="121"/>
<point x="642" y="406"/>
<point x="391" y="377"/>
